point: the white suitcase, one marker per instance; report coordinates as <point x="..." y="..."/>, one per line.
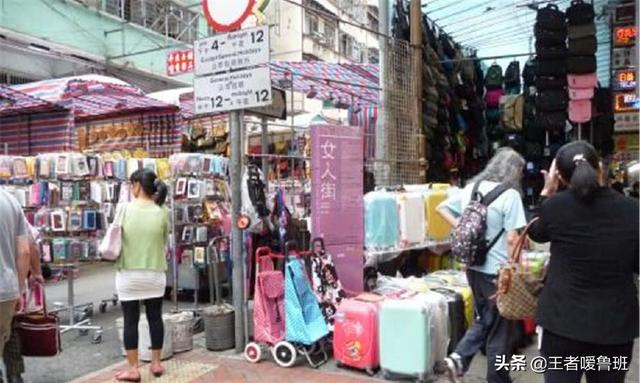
<point x="411" y="208"/>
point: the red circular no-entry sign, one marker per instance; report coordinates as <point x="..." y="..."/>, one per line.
<point x="226" y="15"/>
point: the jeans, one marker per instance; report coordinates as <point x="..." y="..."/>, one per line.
<point x="558" y="346"/>
<point x="131" y="312"/>
<point x="489" y="329"/>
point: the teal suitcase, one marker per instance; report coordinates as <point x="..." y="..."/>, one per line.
<point x="405" y="344"/>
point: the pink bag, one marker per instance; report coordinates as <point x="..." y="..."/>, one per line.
<point x="492" y="98"/>
<point x="582" y="80"/>
<point x="111" y="245"/>
<point x="580" y="111"/>
<point x="580" y="93"/>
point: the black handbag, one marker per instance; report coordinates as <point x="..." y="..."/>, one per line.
<point x="549" y="37"/>
<point x="551" y="68"/>
<point x="584" y="46"/>
<point x="546" y="82"/>
<point x="551" y="121"/>
<point x="552" y="53"/>
<point x="580" y="13"/>
<point x="551" y="101"/>
<point x="550" y="17"/>
<point x="581" y="64"/>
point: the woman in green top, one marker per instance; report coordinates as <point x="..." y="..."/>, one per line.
<point x="142" y="265"/>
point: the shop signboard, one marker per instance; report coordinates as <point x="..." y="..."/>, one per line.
<point x="625" y="102"/>
<point x="179" y="62"/>
<point x="627" y="122"/>
<point x="624" y="57"/>
<point x="223" y="92"/>
<point x="624" y="79"/>
<point x="624" y="14"/>
<point x="230" y="51"/>
<point x="336" y="196"/>
<point x="624" y="36"/>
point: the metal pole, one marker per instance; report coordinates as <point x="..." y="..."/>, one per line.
<point x="293" y="127"/>
<point x="265" y="150"/>
<point x="416" y="43"/>
<point x="235" y="166"/>
<point x="383" y="29"/>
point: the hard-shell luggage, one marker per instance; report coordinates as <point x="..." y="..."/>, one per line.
<point x="438" y="310"/>
<point x="405" y="343"/>
<point x="379" y="232"/>
<point x="411" y="217"/>
<point x="467" y="297"/>
<point x="457" y="321"/>
<point x="355" y="337"/>
<point x="436" y="227"/>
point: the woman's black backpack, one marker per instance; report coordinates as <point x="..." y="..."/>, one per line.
<point x="580" y="13"/>
<point x="550" y="17"/>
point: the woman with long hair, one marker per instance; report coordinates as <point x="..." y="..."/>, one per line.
<point x="499" y="184"/>
<point x="588" y="308"/>
<point x="141" y="268"/>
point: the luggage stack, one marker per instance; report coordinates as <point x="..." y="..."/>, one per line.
<point x="533" y="135"/>
<point x="581" y="62"/>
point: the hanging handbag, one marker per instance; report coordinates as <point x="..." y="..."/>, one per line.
<point x="39" y="331"/>
<point x="518" y="287"/>
<point x="111" y="245"/>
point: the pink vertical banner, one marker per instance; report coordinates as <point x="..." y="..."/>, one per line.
<point x="336" y="197"/>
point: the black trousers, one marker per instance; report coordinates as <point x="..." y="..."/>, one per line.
<point x="560" y="347"/>
<point x="489" y="330"/>
<point x="131" y="312"/>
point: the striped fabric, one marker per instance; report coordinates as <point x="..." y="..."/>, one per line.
<point x="14" y="102"/>
<point x="37" y="133"/>
<point x="367" y="118"/>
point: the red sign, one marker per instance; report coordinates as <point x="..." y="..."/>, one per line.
<point x="624" y="36"/>
<point x="226" y="15"/>
<point x="180" y="62"/>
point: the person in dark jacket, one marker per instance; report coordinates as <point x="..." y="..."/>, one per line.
<point x="588" y="308"/>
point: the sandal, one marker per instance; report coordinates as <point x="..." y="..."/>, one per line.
<point x="157" y="371"/>
<point x="128" y="376"/>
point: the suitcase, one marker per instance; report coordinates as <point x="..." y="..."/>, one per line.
<point x="405" y="349"/>
<point x="379" y="232"/>
<point x="467" y="297"/>
<point x="438" y="311"/>
<point x="411" y="211"/>
<point x="457" y="321"/>
<point x="436" y="227"/>
<point x="355" y="336"/>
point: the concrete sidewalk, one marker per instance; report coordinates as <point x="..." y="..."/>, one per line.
<point x="83" y="362"/>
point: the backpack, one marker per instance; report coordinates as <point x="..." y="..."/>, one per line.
<point x="580" y="111"/>
<point x="550" y="17"/>
<point x="551" y="68"/>
<point x="469" y="244"/>
<point x="584" y="46"/>
<point x="549" y="37"/>
<point x="552" y="100"/>
<point x="580" y="31"/>
<point x="547" y="82"/>
<point x="512" y="74"/>
<point x="492" y="98"/>
<point x="580" y="13"/>
<point x="580" y="93"/>
<point x="494" y="79"/>
<point x="512" y="110"/>
<point x="582" y="81"/>
<point x="529" y="72"/>
<point x="581" y="64"/>
<point x="551" y="53"/>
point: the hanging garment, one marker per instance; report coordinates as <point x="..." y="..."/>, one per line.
<point x="326" y="285"/>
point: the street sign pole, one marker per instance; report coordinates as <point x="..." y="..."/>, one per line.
<point x="238" y="278"/>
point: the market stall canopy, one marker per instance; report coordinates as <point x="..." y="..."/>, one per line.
<point x="14" y="102"/>
<point x="93" y="96"/>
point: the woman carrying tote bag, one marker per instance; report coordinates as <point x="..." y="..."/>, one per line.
<point x="588" y="307"/>
<point x="141" y="268"/>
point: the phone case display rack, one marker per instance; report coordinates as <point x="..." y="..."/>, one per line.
<point x="200" y="216"/>
<point x="70" y="198"/>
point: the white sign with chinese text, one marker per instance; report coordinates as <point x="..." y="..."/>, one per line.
<point x="236" y="50"/>
<point x="231" y="91"/>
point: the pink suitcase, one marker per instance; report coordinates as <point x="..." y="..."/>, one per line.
<point x="355" y="335"/>
<point x="582" y="80"/>
<point x="580" y="111"/>
<point x="580" y="93"/>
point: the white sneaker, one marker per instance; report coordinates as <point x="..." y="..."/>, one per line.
<point x="454" y="369"/>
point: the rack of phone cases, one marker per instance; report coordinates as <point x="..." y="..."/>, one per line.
<point x="200" y="210"/>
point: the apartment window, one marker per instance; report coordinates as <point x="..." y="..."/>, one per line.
<point x="161" y="16"/>
<point x="313" y="26"/>
<point x="373" y="56"/>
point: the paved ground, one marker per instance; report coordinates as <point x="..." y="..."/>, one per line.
<point x="83" y="362"/>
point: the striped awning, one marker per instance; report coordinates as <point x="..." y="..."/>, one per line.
<point x="14" y="102"/>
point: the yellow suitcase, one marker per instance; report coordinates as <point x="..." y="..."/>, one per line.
<point x="436" y="227"/>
